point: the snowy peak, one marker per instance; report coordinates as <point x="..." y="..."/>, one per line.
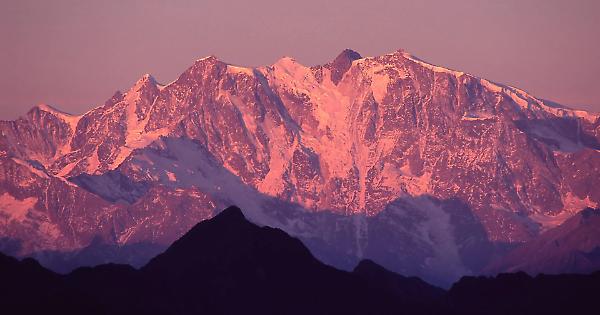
<point x="146" y="82"/>
<point x="286" y="62"/>
<point x="69" y="119"/>
<point x="342" y="63"/>
<point x="406" y="55"/>
<point x="357" y="138"/>
<point x="520" y="97"/>
<point x="146" y="79"/>
<point x="203" y="69"/>
<point x="208" y="61"/>
<point x="51" y="110"/>
<point x="346" y="55"/>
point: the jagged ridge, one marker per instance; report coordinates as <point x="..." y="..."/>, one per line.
<point x="451" y="161"/>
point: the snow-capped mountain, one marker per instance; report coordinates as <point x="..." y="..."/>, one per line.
<point x="572" y="246"/>
<point x="423" y="169"/>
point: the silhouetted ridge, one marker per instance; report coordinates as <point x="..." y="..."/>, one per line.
<point x="408" y="289"/>
<point x="228" y="265"/>
<point x="230" y="238"/>
<point x="231" y="213"/>
<point x="241" y="267"/>
<point x="28" y="288"/>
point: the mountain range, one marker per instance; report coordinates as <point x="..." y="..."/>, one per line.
<point x="228" y="265"/>
<point x="424" y="170"/>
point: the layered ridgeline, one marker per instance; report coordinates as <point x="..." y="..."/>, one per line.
<point x="427" y="171"/>
<point x="228" y="265"/>
<point x="574" y="246"/>
<point x="224" y="265"/>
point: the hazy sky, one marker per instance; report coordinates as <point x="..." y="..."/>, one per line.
<point x="76" y="54"/>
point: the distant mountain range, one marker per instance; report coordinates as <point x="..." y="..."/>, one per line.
<point x="228" y="265"/>
<point x="574" y="245"/>
<point x="426" y="171"/>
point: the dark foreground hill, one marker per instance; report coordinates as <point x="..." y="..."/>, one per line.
<point x="519" y="293"/>
<point x="228" y="265"/>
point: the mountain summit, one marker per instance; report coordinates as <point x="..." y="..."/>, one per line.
<point x="428" y="171"/>
<point x="342" y="63"/>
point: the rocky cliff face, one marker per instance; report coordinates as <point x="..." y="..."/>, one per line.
<point x="418" y="167"/>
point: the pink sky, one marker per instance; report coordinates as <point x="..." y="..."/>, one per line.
<point x="75" y="54"/>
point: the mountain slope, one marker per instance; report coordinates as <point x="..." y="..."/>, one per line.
<point x="454" y="163"/>
<point x="258" y="268"/>
<point x="573" y="247"/>
<point x="228" y="265"/>
<point x="403" y="288"/>
<point x="225" y="265"/>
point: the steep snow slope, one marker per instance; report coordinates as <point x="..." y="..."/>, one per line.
<point x="378" y="157"/>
